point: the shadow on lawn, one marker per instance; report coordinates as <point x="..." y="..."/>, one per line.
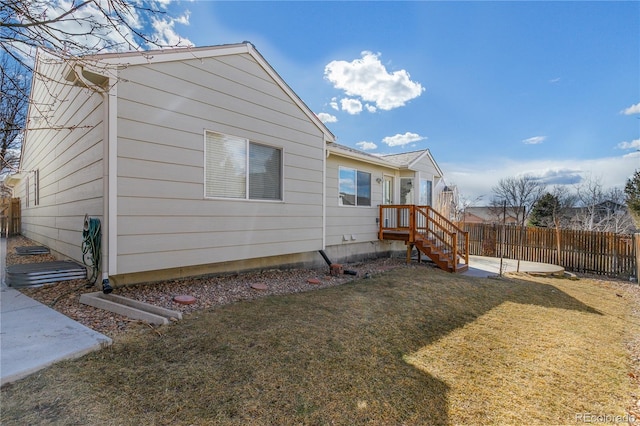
<point x="323" y="357"/>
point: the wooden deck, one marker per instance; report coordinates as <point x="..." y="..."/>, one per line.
<point x="427" y="230"/>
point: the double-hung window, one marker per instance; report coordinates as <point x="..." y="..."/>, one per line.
<point x="355" y="187"/>
<point x="238" y="168"/>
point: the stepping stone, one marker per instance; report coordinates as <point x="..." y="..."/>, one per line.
<point x="259" y="286"/>
<point x="31" y="250"/>
<point x="314" y="281"/>
<point x="185" y="299"/>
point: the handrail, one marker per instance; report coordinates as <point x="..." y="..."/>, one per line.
<point x="428" y="224"/>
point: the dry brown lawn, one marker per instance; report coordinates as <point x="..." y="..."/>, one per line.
<point x="413" y="346"/>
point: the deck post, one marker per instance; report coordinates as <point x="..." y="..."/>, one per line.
<point x="409" y="250"/>
<point x="412" y="223"/>
<point x="455" y="251"/>
<point x="466" y="247"/>
<point x="380" y="227"/>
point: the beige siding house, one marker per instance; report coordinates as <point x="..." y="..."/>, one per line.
<point x="198" y="160"/>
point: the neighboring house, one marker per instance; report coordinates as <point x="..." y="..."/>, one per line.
<point x="488" y="215"/>
<point x="607" y="216"/>
<point x="196" y="161"/>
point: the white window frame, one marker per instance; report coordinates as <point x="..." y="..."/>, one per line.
<point x="355" y="200"/>
<point x="247" y="156"/>
<point x="36" y="188"/>
<point x="423" y="185"/>
<point x="26" y="192"/>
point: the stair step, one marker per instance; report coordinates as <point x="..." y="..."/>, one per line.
<point x="462" y="267"/>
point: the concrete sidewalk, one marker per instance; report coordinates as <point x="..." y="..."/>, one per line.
<point x="34" y="336"/>
<point x="481" y="266"/>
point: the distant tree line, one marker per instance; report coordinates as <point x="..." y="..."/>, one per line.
<point x="588" y="207"/>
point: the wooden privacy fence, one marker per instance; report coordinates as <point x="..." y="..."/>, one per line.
<point x="10" y="222"/>
<point x="603" y="253"/>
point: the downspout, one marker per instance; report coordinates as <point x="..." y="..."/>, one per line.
<point x="325" y="151"/>
<point x="106" y="168"/>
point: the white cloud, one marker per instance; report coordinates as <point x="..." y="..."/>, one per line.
<point x="350" y="105"/>
<point x="554" y="80"/>
<point x="366" y="146"/>
<point x="534" y="140"/>
<point x="634" y="144"/>
<point x="478" y="179"/>
<point x="368" y="79"/>
<point x="556" y="176"/>
<point x="184" y="19"/>
<point x="402" y="140"/>
<point x="633" y="109"/>
<point x="334" y="104"/>
<point x="327" y="118"/>
<point x="165" y="33"/>
<point x="370" y="108"/>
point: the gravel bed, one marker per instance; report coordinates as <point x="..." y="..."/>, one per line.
<point x="209" y="292"/>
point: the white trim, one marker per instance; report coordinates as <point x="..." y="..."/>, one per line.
<point x="168" y="55"/>
<point x="112" y="158"/>
<point x="393" y="187"/>
<point x="421" y="156"/>
<point x="324" y="194"/>
<point x="427" y="178"/>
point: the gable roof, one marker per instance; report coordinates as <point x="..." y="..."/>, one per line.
<point x="124" y="59"/>
<point x="349" y="152"/>
<point x="405" y="160"/>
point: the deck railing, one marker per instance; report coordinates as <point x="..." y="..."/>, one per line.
<point x="423" y="222"/>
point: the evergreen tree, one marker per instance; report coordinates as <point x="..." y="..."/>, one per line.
<point x="632" y="192"/>
<point x="544" y="211"/>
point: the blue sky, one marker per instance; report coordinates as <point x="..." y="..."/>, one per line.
<point x="493" y="89"/>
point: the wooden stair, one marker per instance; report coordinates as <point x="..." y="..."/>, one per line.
<point x="429" y="232"/>
<point x="443" y="258"/>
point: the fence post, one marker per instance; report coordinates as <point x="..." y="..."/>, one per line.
<point x="637" y="253"/>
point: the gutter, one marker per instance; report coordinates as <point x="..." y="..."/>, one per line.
<point x="103" y="85"/>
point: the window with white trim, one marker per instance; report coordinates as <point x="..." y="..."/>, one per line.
<point x="36" y="187"/>
<point x="238" y="168"/>
<point x="425" y="192"/>
<point x="354" y="186"/>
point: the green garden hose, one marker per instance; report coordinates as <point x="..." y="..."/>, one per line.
<point x="91" y="248"/>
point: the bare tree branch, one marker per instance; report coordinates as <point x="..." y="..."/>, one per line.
<point x="14" y="94"/>
<point x="72" y="31"/>
<point x="519" y="194"/>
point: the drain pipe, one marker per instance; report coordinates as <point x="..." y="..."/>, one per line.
<point x="81" y="80"/>
<point x="331" y="264"/>
<point x="325" y="257"/>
